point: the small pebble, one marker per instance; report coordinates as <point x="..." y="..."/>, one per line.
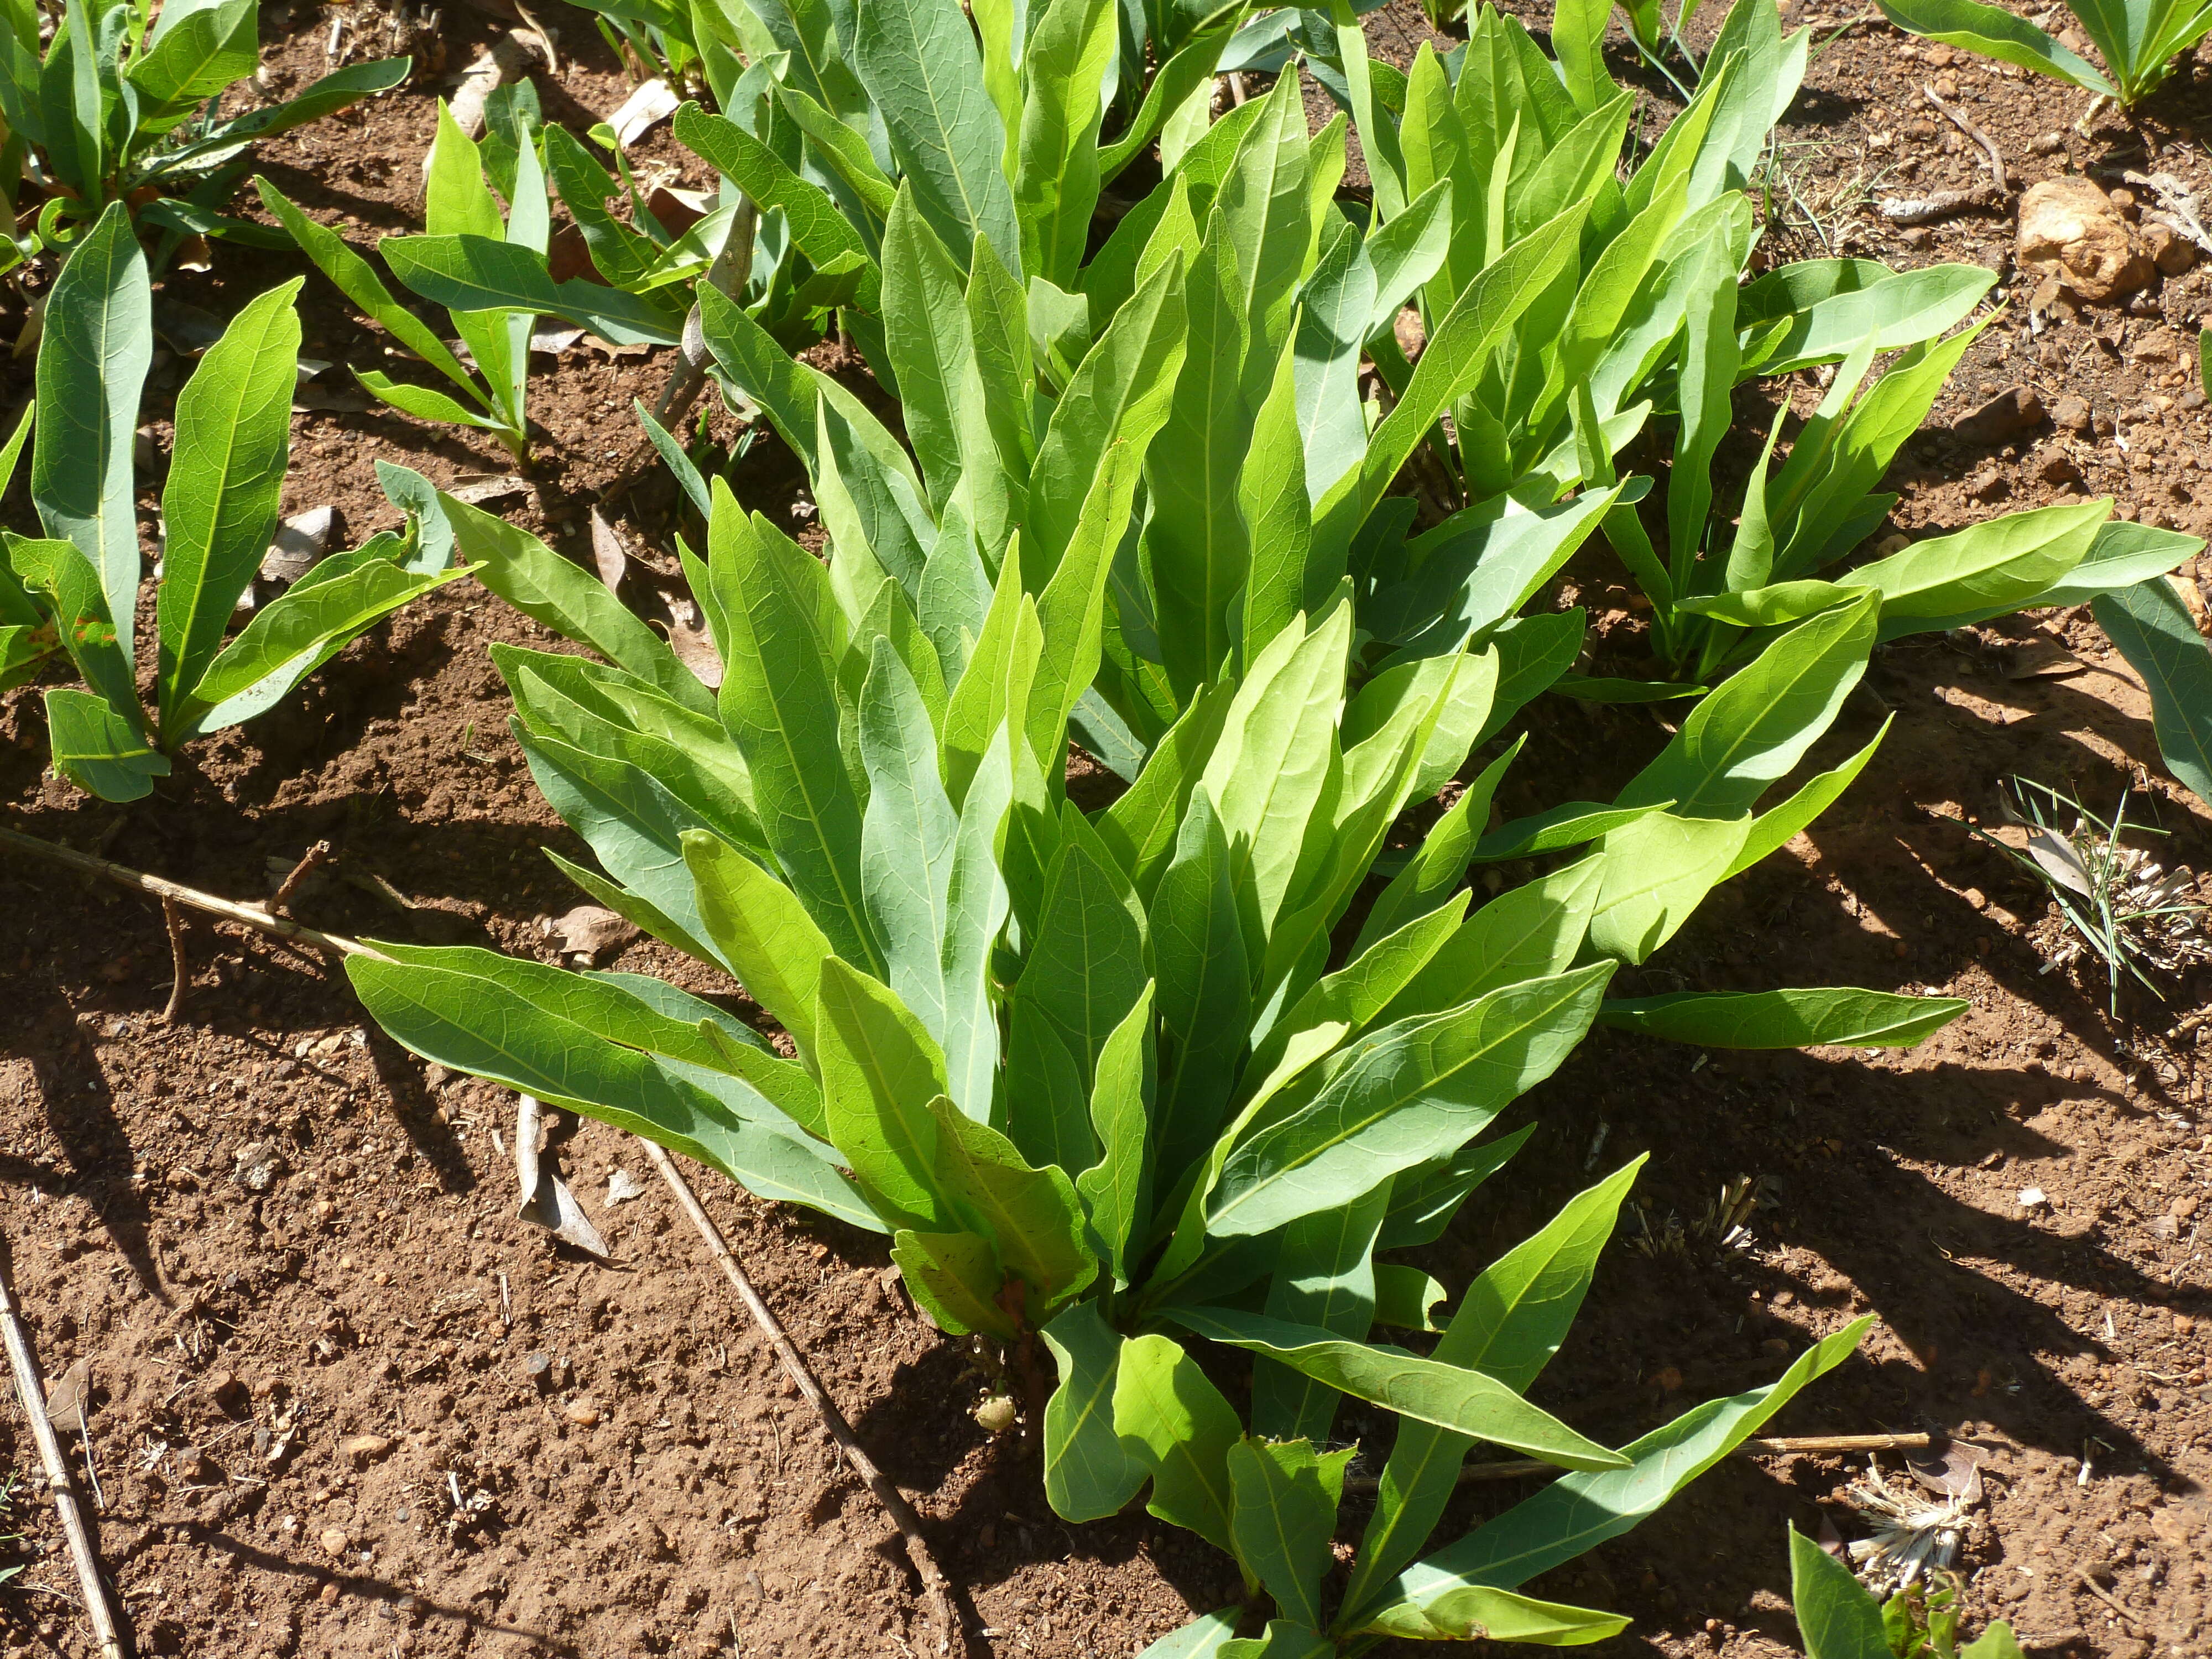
<point x="334" y="1541"/>
<point x="582" y="1412"/>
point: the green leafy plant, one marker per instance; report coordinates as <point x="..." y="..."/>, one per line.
<point x="1721" y="584"/>
<point x="459" y="203"/>
<point x="2140" y="40"/>
<point x="1840" y="1619"/>
<point x="1103" y="1076"/>
<point x="76" y="591"/>
<point x="117" y="111"/>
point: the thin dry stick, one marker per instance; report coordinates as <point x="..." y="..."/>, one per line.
<point x="2108" y="1598"/>
<point x="309" y="863"/>
<point x="1521" y="1468"/>
<point x="32" y="1393"/>
<point x="1989" y="144"/>
<point x="183" y="967"/>
<point x="177" y="892"/>
<point x="795" y="1366"/>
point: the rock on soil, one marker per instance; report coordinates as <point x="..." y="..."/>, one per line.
<point x="2072" y="232"/>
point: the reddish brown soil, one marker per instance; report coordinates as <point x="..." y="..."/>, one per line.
<point x="633" y="1475"/>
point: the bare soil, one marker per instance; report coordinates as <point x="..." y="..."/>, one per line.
<point x="357" y="1408"/>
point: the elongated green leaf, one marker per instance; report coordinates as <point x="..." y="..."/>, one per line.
<point x="1204" y="987"/>
<point x="78" y="618"/>
<point x="296" y="633"/>
<point x="1086" y="970"/>
<point x="955" y="1279"/>
<point x="1325" y="1279"/>
<point x="1756" y="728"/>
<point x="907" y="837"/>
<point x="1579" y="1511"/>
<point x="1425" y="1199"/>
<point x="1508" y="1325"/>
<point x="1283" y="1514"/>
<point x="474" y="272"/>
<point x="184" y="64"/>
<point x="918" y="60"/>
<point x="1987" y="569"/>
<point x="761" y="931"/>
<point x="1425" y="1390"/>
<point x="1422" y="1091"/>
<point x="1785" y="1019"/>
<point x="439" y="1005"/>
<point x="780" y="704"/>
<point x="926" y="330"/>
<point x="1995" y="33"/>
<point x="1116" y="1191"/>
<point x="1088" y="1472"/>
<point x="360" y="284"/>
<point x="94" y="350"/>
<point x="1820" y="309"/>
<point x="1055" y="177"/>
<point x="568" y="599"/>
<point x="880" y="1071"/>
<point x="225" y="473"/>
<point x="1472" y="1613"/>
<point x="2123" y="554"/>
<point x="1167" y="1414"/>
<point x="2154" y="632"/>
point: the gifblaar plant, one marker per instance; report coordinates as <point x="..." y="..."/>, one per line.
<point x="114" y="110"/>
<point x="1103" y="1076"/>
<point x="1840" y="1619"/>
<point x="75" y="590"/>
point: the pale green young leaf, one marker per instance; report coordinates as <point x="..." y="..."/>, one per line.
<point x="1271" y="493"/>
<point x="761" y="932"/>
<point x="780" y="705"/>
<point x="1167" y="1414"/>
<point x="1470" y="1612"/>
<point x="226" y="472"/>
<point x="1269" y="769"/>
<point x="1204" y="985"/>
<point x="1120" y="394"/>
<point x="995" y="685"/>
<point x="1086" y="970"/>
<point x="1142" y="826"/>
<point x="1421" y="1091"/>
<point x="1055" y="175"/>
<point x="1116" y="1191"/>
<point x="1426" y="1390"/>
<point x="880" y="1071"/>
<point x="469" y="274"/>
<point x="908" y="832"/>
<point x="1031" y="1213"/>
<point x="976" y="902"/>
<point x="1089" y="1473"/>
<point x="1657" y="870"/>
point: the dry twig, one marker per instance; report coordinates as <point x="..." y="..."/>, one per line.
<point x="2107" y="1598"/>
<point x="178" y="964"/>
<point x="177" y="892"/>
<point x="32" y="1393"/>
<point x="1989" y="144"/>
<point x="309" y="863"/>
<point x="795" y="1367"/>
